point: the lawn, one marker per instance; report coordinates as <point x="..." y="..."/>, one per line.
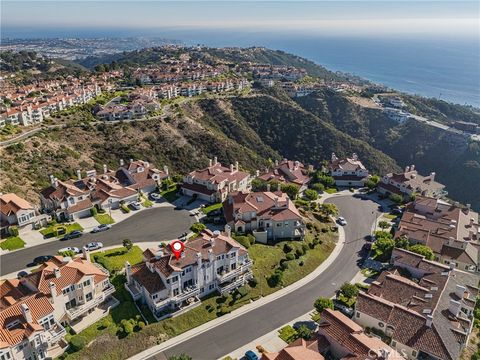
<point x="147" y="203"/>
<point x="12" y="243"/>
<point x="390" y="216"/>
<point x="330" y="190"/>
<point x="170" y="194"/>
<point x="266" y="261"/>
<point x="104" y="219"/>
<point x="213" y="207"/>
<point x="50" y="231"/>
<point x="114" y="259"/>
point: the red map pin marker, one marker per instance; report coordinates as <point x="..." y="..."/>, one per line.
<point x="177" y="248"/>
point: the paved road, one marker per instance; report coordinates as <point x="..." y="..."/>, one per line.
<point x="155" y="224"/>
<point x="229" y="336"/>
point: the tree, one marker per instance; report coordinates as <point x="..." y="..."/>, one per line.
<point x="182" y="356"/>
<point x="349" y="290"/>
<point x="318" y="187"/>
<point x="383" y="248"/>
<point x="304" y="332"/>
<point x="311" y="194"/>
<point x="291" y="190"/>
<point x="402" y="242"/>
<point x="383" y="225"/>
<point x="275" y="279"/>
<point x="127" y="244"/>
<point x="323" y="303"/>
<point x="77" y="342"/>
<point x="422" y="250"/>
<point x="329" y="209"/>
<point x="198" y="227"/>
<point x="397" y="199"/>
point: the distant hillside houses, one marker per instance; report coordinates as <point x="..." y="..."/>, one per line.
<point x="191" y="89"/>
<point x="73" y="199"/>
<point x="411" y="182"/>
<point x="276" y="72"/>
<point x="451" y="231"/>
<point x="135" y="109"/>
<point x="348" y="171"/>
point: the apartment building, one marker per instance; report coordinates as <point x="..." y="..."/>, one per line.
<point x="35" y="308"/>
<point x="269" y="216"/>
<point x="451" y="231"/>
<point x="212" y="261"/>
<point x="348" y="171"/>
<point x="428" y="315"/>
<point x="411" y="182"/>
<point x="73" y="199"/>
<point x="16" y="211"/>
<point x="288" y="171"/>
<point x="215" y="182"/>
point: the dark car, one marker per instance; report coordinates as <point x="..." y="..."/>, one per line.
<point x="73" y="235"/>
<point x="250" y="355"/>
<point x="39" y="260"/>
<point x="345" y="310"/>
<point x="370" y="238"/>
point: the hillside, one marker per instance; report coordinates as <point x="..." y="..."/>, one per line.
<point x="456" y="163"/>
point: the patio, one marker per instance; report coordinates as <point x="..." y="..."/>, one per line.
<point x="99" y="312"/>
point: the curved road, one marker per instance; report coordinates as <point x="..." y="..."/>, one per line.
<point x="239" y="331"/>
<point x="155" y="224"/>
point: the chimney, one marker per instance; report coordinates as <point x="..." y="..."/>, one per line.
<point x="355" y="156"/>
<point x="454" y="307"/>
<point x="211" y="256"/>
<point x="432" y="176"/>
<point x="128" y="272"/>
<point x="122" y="162"/>
<point x="407" y="169"/>
<point x="460" y="291"/>
<point x="236" y="165"/>
<point x="199" y="259"/>
<point x="279" y="187"/>
<point x="158" y="254"/>
<point x="451" y="265"/>
<point x="472" y="221"/>
<point x="268" y="187"/>
<point x="57" y="272"/>
<point x="257" y="173"/>
<point x="215" y="161"/>
<point x="334" y="157"/>
<point x="296" y="164"/>
<point x="79" y="175"/>
<point x="231" y="168"/>
<point x="412" y="167"/>
<point x="105" y="170"/>
<point x="228" y="230"/>
<point x="131" y="161"/>
<point x="53" y="290"/>
<point x="210" y="163"/>
<point x="86" y="253"/>
<point x="26" y="313"/>
<point x="276" y="162"/>
<point x="52" y="180"/>
<point x="310" y="168"/>
<point x="182" y="255"/>
<point x="165" y="169"/>
<point x="276" y="202"/>
<point x="429" y="321"/>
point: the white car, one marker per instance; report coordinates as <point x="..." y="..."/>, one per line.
<point x="135" y="205"/>
<point x="94" y="245"/>
<point x="75" y="249"/>
<point x="155" y="196"/>
<point x="101" y="228"/>
<point x="341" y="220"/>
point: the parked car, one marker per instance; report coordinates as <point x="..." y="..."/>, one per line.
<point x="155" y="196"/>
<point x="39" y="260"/>
<point x="73" y="235"/>
<point x="370" y="238"/>
<point x="101" y="228"/>
<point x="397" y="211"/>
<point x="341" y="221"/>
<point x="135" y="205"/>
<point x="75" y="249"/>
<point x="250" y="355"/>
<point x="22" y="274"/>
<point x="94" y="245"/>
<point x="345" y="310"/>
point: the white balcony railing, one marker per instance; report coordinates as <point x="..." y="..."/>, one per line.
<point x="236" y="284"/>
<point x="81" y="309"/>
<point x="238" y="271"/>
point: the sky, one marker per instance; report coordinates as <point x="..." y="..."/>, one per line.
<point x="452" y="19"/>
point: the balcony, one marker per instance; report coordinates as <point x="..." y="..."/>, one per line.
<point x="187" y="293"/>
<point x="83" y="308"/>
<point x="236" y="284"/>
<point x="132" y="289"/>
<point x="234" y="273"/>
<point x="55" y="334"/>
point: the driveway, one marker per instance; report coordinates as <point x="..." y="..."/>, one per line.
<point x="252" y="325"/>
<point x="155" y="224"/>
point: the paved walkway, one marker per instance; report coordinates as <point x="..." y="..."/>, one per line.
<point x="246" y="308"/>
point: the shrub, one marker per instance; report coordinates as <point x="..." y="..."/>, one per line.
<point x="290" y="256"/>
<point x="198" y="227"/>
<point x="245" y="240"/>
<point x="13" y="230"/>
<point x="287" y="334"/>
<point x="284" y="265"/>
<point x="311" y="194"/>
<point x="78" y="342"/>
<point x="422" y="250"/>
<point x="287" y="248"/>
<point x="323" y="303"/>
<point x="304" y="332"/>
<point x="253" y="282"/>
<point x="242" y="291"/>
<point x="141" y="325"/>
<point x="69" y="253"/>
<point x="349" y="290"/>
<point x="299" y="252"/>
<point x="397" y="199"/>
<point x="304" y="247"/>
<point x="127" y="244"/>
<point x="93" y="211"/>
<point x="275" y="279"/>
<point x="383" y="225"/>
<point x="125" y="208"/>
<point x="127" y="326"/>
<point x="318" y="187"/>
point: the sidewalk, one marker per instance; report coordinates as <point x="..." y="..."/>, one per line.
<point x="271" y="342"/>
<point x="246" y="308"/>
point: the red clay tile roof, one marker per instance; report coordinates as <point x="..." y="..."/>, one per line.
<point x="288" y="171"/>
<point x="151" y="281"/>
<point x="11" y="203"/>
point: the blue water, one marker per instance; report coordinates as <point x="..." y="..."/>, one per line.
<point x="436" y="67"/>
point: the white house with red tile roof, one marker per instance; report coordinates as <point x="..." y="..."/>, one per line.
<point x="213" y="261"/>
<point x="427" y="316"/>
<point x="288" y="171"/>
<point x="348" y="171"/>
<point x="268" y="215"/>
<point x="16" y="211"/>
<point x="215" y="182"/>
<point x="411" y="182"/>
<point x="34" y="308"/>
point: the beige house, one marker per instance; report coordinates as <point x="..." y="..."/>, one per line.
<point x="211" y="262"/>
<point x="288" y="171"/>
<point x="268" y="215"/>
<point x="16" y="211"/>
<point x="348" y="171"/>
<point x="428" y="315"/>
<point x="411" y="182"/>
<point x="215" y="182"/>
<point x="452" y="232"/>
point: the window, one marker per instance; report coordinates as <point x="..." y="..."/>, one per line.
<point x="86" y="283"/>
<point x="232" y="255"/>
<point x="279" y="224"/>
<point x="234" y="266"/>
<point x="89" y="296"/>
<point x="211" y="286"/>
<point x="358" y="314"/>
<point x="174" y="279"/>
<point x="393" y="343"/>
<point x="414" y="353"/>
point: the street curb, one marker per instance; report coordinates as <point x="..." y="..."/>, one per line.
<point x="246" y="308"/>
